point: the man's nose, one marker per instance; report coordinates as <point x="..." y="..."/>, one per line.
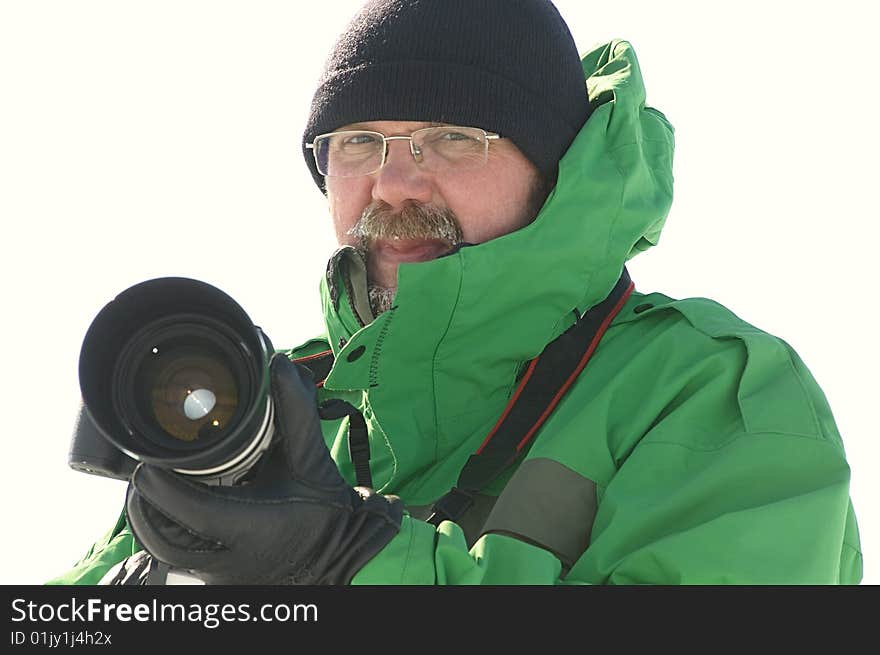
<point x="402" y="178"/>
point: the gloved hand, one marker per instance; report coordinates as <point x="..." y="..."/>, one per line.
<point x="296" y="522"/>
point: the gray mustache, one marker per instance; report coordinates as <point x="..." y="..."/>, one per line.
<point x="412" y="221"/>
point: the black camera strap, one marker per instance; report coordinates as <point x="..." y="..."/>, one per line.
<point x="358" y="437"/>
<point x="544" y="383"/>
<point x="319" y="366"/>
<point x="546" y="380"/>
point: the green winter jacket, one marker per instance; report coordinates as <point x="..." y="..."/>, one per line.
<point x="692" y="449"/>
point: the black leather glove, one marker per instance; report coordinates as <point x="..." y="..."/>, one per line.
<point x="296" y="522"/>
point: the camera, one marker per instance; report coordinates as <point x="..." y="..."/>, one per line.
<point x="173" y="373"/>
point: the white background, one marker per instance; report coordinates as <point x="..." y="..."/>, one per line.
<point x="142" y="139"/>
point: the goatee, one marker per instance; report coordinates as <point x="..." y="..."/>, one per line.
<point x="381" y="298"/>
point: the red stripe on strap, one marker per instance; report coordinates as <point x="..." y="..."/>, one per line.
<point x="602" y="328"/>
<point x="310" y="357"/>
<point x="522" y="384"/>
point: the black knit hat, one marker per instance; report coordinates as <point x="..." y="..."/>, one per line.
<point x="507" y="66"/>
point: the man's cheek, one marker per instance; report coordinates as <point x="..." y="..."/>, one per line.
<point x="346" y="207"/>
<point x="343" y="224"/>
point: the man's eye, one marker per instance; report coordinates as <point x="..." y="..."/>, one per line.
<point x="360" y="140"/>
<point x="455" y="136"/>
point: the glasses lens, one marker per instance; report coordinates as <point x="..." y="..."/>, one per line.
<point x="349" y="154"/>
<point x="451" y="147"/>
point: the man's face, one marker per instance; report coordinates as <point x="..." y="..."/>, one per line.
<point x="486" y="202"/>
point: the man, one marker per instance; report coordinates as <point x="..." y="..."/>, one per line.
<point x="532" y="419"/>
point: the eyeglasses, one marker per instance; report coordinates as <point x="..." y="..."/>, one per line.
<point x="352" y="153"/>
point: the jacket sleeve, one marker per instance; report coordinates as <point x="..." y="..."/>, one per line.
<point x="423" y="555"/>
<point x="537" y="527"/>
<point x="105" y="553"/>
<point x="763" y="509"/>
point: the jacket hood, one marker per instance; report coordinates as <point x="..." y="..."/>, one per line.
<point x="440" y="365"/>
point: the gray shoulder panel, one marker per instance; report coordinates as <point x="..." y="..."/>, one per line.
<point x="549" y="505"/>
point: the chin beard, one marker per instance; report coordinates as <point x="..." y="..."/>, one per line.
<point x="381" y="298"/>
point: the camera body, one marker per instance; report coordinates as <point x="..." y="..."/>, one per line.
<point x="173" y="373"/>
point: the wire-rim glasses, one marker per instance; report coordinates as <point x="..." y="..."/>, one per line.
<point x="353" y="153"/>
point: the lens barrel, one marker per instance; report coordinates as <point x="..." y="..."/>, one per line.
<point x="174" y="373"/>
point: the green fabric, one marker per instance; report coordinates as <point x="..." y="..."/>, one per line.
<point x="112" y="548"/>
<point x="714" y="454"/>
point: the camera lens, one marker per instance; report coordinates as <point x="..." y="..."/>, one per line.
<point x="174" y="373"/>
<point x="188" y="394"/>
<point x="181" y="382"/>
<point x="188" y="388"/>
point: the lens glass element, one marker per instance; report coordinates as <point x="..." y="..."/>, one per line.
<point x="189" y="389"/>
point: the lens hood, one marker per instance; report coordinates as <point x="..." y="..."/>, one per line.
<point x="174" y="373"/>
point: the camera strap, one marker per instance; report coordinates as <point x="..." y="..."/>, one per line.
<point x="319" y="366"/>
<point x="545" y="381"/>
<point x="358" y="436"/>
